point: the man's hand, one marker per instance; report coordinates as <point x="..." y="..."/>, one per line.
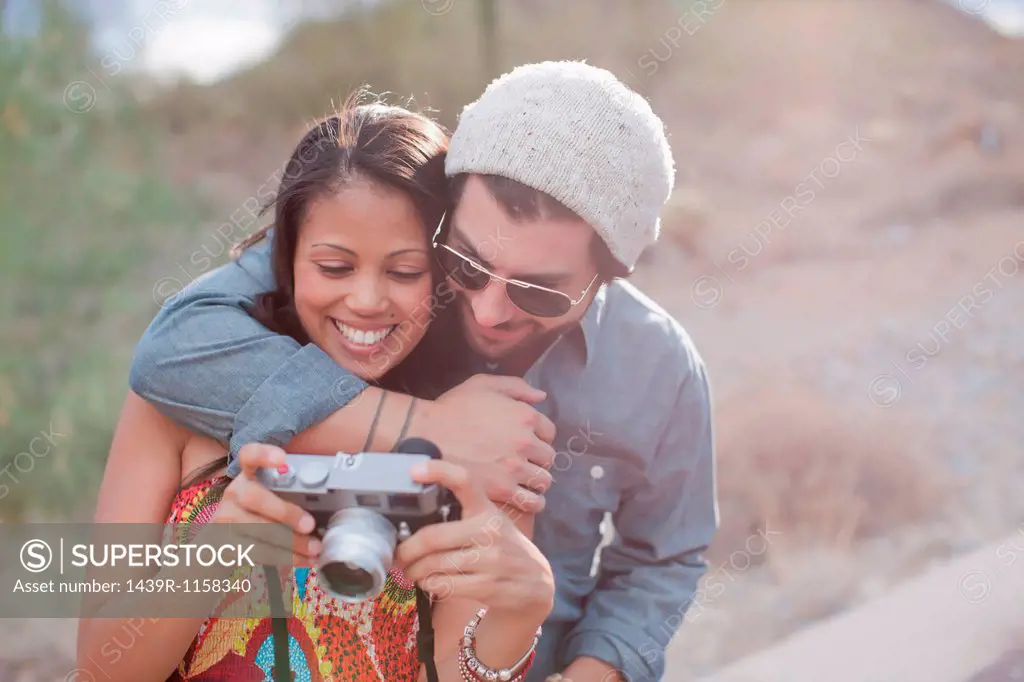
<point x="586" y="669"/>
<point x="488" y="425"/>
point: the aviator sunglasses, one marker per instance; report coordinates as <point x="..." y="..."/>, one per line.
<point x="532" y="299"/>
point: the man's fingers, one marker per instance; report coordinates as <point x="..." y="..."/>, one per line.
<point x="523" y="488"/>
<point x="516" y="388"/>
<point x="456" y="479"/>
<point x="531" y="502"/>
<point x="502" y="492"/>
<point x="527" y="501"/>
<point x="544" y="428"/>
<point x="533" y="477"/>
<point x="540" y="453"/>
<point x="256" y="456"/>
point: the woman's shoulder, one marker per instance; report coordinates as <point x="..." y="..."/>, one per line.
<point x="202" y="454"/>
<point x="142" y="419"/>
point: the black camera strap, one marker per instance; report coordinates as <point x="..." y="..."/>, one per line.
<point x="282" y="665"/>
<point x="281" y="671"/>
<point x="424" y="610"/>
<point x="425" y="635"/>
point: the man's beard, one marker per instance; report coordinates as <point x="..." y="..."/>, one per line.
<point x="517" y="360"/>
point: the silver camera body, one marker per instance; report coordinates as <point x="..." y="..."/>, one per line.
<point x="364" y="504"/>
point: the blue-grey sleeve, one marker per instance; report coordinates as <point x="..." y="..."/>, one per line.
<point x="649" y="574"/>
<point x="206" y="363"/>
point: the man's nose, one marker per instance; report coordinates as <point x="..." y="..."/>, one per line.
<point x="491" y="306"/>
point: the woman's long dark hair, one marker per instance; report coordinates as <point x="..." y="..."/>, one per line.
<point x="389" y="146"/>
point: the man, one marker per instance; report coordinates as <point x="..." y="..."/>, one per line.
<point x="559" y="175"/>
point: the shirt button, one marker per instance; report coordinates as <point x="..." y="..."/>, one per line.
<point x="597" y="472"/>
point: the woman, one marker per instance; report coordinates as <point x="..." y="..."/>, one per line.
<point x="362" y="193"/>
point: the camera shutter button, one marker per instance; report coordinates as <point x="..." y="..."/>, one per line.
<point x="282" y="476"/>
<point x="313" y="474"/>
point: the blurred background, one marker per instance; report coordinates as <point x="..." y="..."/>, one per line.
<point x="843" y="243"/>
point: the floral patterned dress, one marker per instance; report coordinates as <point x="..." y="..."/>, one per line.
<point x="330" y="640"/>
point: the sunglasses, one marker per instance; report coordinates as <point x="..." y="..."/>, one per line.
<point x="532" y="299"/>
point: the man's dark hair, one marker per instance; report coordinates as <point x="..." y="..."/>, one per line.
<point x="522" y="202"/>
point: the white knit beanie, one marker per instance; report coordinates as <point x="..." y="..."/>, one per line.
<point x="577" y="133"/>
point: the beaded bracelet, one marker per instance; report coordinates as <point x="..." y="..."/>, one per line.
<point x="474" y="671"/>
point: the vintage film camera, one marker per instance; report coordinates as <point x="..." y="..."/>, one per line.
<point x="364" y="504"/>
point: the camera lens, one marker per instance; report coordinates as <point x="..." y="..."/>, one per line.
<point x="347" y="578"/>
<point x="359" y="545"/>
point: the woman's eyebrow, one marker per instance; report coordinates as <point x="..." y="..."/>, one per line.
<point x="399" y="252"/>
<point x="337" y="247"/>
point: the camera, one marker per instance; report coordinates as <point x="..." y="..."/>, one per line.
<point x="364" y="504"/>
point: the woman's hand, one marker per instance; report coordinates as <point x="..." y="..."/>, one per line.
<point x="482" y="557"/>
<point x="280" y="531"/>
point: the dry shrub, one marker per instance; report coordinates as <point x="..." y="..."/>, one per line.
<point x="821" y="475"/>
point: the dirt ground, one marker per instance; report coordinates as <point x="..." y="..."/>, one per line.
<point x="892" y="293"/>
<point x="1008" y="668"/>
<point x="847" y="227"/>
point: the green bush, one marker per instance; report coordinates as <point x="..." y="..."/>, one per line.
<point x="82" y="213"/>
<point x="440" y="54"/>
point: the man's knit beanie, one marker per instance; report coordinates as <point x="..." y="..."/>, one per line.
<point x="577" y="133"/>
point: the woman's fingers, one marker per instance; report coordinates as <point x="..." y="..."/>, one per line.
<point x="280" y="530"/>
<point x="439" y="538"/>
<point x="481" y="588"/>
<point x="473" y="586"/>
<point x="277" y="535"/>
<point x="273" y="544"/>
<point x="256" y="456"/>
<point x="277" y="545"/>
<point x="462" y="560"/>
<point x="250" y="495"/>
<point x="268" y="555"/>
<point x="456" y="479"/>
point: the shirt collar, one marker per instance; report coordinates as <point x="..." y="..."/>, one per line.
<point x="584" y="335"/>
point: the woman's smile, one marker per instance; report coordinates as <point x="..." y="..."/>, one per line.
<point x="362" y="341"/>
<point x="361" y="270"/>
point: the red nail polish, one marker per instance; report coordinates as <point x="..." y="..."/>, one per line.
<point x="283" y="469"/>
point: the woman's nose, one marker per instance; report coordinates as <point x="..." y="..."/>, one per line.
<point x="369" y="297"/>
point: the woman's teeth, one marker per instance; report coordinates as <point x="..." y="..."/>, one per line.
<point x="363" y="338"/>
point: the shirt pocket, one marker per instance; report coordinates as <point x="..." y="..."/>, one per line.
<point x="589" y="482"/>
<point x="586" y="487"/>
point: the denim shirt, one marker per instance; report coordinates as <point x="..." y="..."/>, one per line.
<point x="627" y="392"/>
